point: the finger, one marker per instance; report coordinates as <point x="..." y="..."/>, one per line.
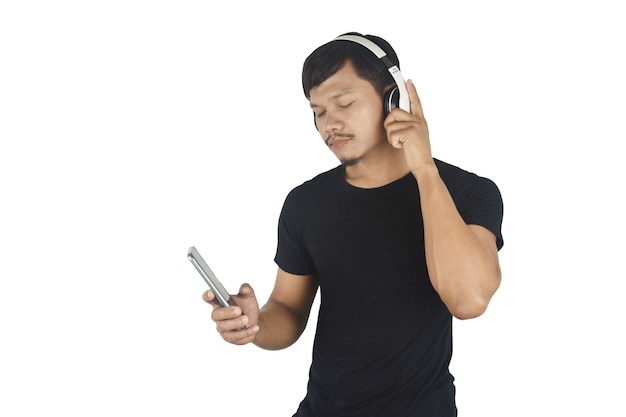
<point x="414" y="99"/>
<point x="398" y="130"/>
<point x="232" y="325"/>
<point x="209" y="297"/>
<point x="226" y="313"/>
<point x="242" y="336"/>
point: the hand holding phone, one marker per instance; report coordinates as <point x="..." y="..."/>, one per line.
<point x="222" y="296"/>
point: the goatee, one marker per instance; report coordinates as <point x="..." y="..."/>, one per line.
<point x="350" y="162"/>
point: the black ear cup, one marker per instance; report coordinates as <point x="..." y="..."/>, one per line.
<point x="391" y="100"/>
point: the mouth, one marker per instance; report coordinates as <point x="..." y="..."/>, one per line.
<point x="338" y="140"/>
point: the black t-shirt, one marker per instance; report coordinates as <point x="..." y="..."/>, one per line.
<point x="384" y="337"/>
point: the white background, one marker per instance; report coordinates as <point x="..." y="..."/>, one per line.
<point x="131" y="130"/>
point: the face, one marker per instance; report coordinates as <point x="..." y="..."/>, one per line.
<point x="349" y="116"/>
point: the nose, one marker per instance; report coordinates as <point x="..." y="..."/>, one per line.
<point x="332" y="122"/>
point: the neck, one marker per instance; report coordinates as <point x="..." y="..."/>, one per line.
<point x="380" y="172"/>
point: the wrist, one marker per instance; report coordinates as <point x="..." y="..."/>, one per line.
<point x="425" y="172"/>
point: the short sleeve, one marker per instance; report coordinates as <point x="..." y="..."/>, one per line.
<point x="480" y="202"/>
<point x="291" y="254"/>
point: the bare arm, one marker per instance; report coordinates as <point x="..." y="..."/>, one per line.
<point x="462" y="259"/>
<point x="284" y="317"/>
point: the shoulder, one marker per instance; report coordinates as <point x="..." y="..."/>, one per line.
<point x="458" y="179"/>
<point x="471" y="192"/>
<point x="321" y="183"/>
<point x="306" y="197"/>
<point x="452" y="172"/>
<point x="477" y="198"/>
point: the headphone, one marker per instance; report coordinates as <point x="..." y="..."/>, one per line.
<point x="397" y="96"/>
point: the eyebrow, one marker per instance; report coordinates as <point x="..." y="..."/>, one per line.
<point x="335" y="97"/>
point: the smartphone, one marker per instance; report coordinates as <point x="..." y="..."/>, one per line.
<point x="218" y="289"/>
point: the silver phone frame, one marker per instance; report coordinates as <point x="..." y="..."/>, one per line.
<point x="222" y="296"/>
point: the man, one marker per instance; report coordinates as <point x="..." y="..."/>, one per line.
<point x="397" y="242"/>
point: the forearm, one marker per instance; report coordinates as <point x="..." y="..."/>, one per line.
<point x="463" y="269"/>
<point x="279" y="326"/>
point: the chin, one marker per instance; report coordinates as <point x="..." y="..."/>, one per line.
<point x="350" y="161"/>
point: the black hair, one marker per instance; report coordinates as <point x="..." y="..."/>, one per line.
<point x="329" y="58"/>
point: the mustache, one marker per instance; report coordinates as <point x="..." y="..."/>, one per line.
<point x="330" y="138"/>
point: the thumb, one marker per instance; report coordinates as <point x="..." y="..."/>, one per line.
<point x="245" y="290"/>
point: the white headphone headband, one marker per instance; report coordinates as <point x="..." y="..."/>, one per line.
<point x="404" y="103"/>
<point x="377" y="50"/>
